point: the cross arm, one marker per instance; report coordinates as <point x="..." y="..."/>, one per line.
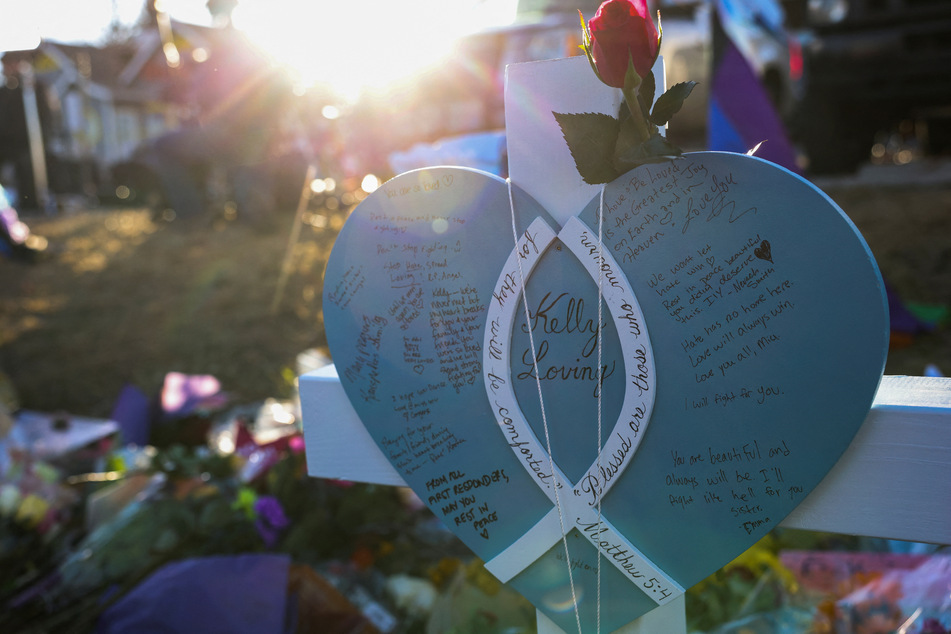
<point x="894" y="480"/>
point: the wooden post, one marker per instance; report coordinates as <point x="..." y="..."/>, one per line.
<point x="35" y="134"/>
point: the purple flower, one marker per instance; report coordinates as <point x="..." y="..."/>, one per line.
<point x="271" y="520"/>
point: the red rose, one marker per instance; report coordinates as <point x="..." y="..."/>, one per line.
<point x="622" y="29"/>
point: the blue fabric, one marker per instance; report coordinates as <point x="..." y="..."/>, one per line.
<point x="240" y="594"/>
<point x="743" y="109"/>
<point x="723" y="136"/>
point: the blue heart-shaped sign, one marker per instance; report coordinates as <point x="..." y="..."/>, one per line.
<point x="737" y="350"/>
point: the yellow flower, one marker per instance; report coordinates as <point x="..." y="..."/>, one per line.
<point x="482" y="578"/>
<point x="760" y="557"/>
<point x="32" y="510"/>
<point x="245" y="502"/>
<point x="442" y="573"/>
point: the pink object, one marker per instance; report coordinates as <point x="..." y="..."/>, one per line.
<point x="183" y="393"/>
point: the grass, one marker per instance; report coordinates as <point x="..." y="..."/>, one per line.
<point x="908" y="229"/>
<point x="122" y="298"/>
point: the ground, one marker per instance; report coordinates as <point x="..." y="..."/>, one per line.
<point x="122" y="298"/>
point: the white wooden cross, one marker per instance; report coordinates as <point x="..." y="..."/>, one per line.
<point x="893" y="482"/>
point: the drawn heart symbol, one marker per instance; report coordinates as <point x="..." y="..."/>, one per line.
<point x="764" y="252"/>
<point x="751" y="406"/>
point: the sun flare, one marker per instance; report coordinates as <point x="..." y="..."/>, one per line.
<point x="365" y="46"/>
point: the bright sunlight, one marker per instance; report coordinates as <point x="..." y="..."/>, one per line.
<point x="351" y="47"/>
<point x="363" y="46"/>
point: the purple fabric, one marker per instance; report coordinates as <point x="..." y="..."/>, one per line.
<point x="240" y="594"/>
<point x="902" y="320"/>
<point x="741" y="112"/>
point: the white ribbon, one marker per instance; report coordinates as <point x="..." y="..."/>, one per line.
<point x="581" y="507"/>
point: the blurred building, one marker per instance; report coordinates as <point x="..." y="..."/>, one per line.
<point x="98" y="105"/>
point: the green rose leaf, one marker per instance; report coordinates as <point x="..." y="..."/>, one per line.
<point x="586" y="46"/>
<point x="630" y="136"/>
<point x="657" y="149"/>
<point x="670" y="102"/>
<point x="591" y="139"/>
<point x="646" y="92"/>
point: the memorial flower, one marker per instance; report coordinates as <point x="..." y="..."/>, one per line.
<point x="620" y="31"/>
<point x="245" y="501"/>
<point x="271" y="520"/>
<point x="622" y="45"/>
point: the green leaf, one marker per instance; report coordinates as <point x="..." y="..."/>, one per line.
<point x="657" y="149"/>
<point x="623" y="114"/>
<point x="629" y="137"/>
<point x="646" y="92"/>
<point x="213" y="514"/>
<point x="659" y="146"/>
<point x="585" y="34"/>
<point x="671" y="102"/>
<point x="594" y="68"/>
<point x="591" y="139"/>
<point x="166" y="541"/>
<point x="586" y="46"/>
